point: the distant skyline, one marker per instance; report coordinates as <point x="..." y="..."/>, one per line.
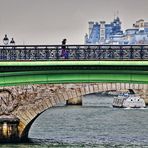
<point x="49" y="21"/>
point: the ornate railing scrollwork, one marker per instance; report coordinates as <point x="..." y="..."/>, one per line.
<point x="73" y="52"/>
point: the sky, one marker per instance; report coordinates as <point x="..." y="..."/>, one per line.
<point x="49" y="21"/>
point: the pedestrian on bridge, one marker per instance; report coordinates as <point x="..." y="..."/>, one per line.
<point x="64" y="52"/>
<point x="64" y="43"/>
<point x="63" y="47"/>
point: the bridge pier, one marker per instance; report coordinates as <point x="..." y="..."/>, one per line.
<point x="143" y="93"/>
<point x="9" y="129"/>
<point x="145" y="99"/>
<point x="74" y="101"/>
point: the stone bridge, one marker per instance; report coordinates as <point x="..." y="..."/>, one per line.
<point x="21" y="105"/>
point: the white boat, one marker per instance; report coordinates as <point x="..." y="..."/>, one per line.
<point x="128" y="100"/>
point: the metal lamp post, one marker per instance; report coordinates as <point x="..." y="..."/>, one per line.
<point x="12" y="42"/>
<point x="6" y="40"/>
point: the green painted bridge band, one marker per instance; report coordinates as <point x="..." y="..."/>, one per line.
<point x="44" y="72"/>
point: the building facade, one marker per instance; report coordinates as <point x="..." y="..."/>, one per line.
<point x="102" y="33"/>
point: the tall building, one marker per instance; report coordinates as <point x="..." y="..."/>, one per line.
<point x="102" y="33"/>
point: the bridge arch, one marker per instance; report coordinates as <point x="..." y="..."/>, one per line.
<point x="32" y="100"/>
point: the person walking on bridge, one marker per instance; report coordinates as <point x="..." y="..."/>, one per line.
<point x="64" y="51"/>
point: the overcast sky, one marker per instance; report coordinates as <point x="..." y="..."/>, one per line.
<point x="49" y="21"/>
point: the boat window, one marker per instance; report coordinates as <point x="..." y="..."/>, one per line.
<point x="126" y="94"/>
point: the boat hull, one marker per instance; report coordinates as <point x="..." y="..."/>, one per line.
<point x="130" y="101"/>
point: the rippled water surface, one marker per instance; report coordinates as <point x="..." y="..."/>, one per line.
<point x="95" y="124"/>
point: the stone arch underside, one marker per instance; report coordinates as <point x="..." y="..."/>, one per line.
<point x="31" y="100"/>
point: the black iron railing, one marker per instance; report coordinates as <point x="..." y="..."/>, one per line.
<point x="73" y="52"/>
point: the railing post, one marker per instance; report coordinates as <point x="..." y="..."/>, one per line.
<point x="36" y="53"/>
<point x="121" y="53"/>
<point x="131" y="52"/>
<point x="141" y="52"/>
<point x="14" y="54"/>
<point x="57" y="53"/>
<point x="77" y="51"/>
<point x="46" y="53"/>
<point x="25" y="52"/>
<point x="111" y="51"/>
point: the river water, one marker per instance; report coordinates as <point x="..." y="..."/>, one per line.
<point x="95" y="124"/>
